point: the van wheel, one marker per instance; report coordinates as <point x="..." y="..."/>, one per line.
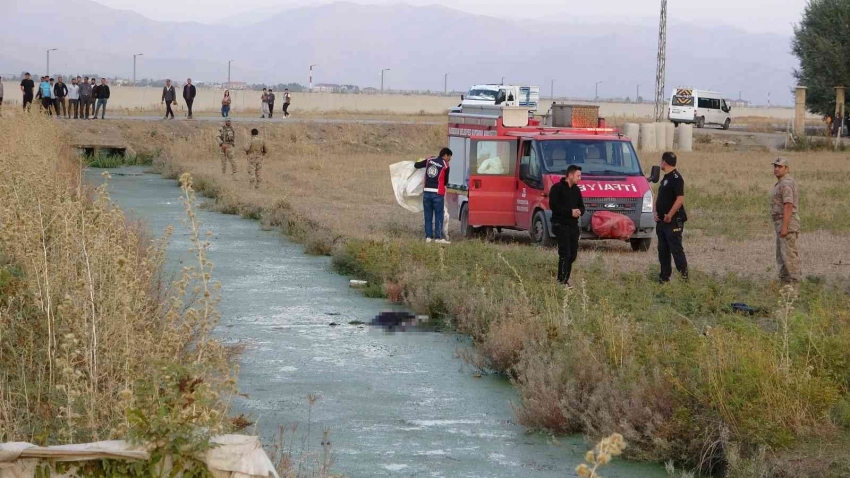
<point x="466" y="230"/>
<point x="676" y="124"/>
<point x="641" y="245"/>
<point x="727" y="123"/>
<point x="701" y="122"/>
<point x="540" y="231"/>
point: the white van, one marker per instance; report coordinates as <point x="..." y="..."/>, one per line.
<point x="699" y="107"/>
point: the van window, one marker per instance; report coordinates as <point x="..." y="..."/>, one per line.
<point x="494" y="158"/>
<point x="704" y="103"/>
<point x="715" y="104"/>
<point x="595" y="157"/>
<point x="681" y="100"/>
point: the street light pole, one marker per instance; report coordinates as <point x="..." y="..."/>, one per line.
<point x="597" y="90"/>
<point x="552" y="90"/>
<point x="503" y="80"/>
<point x="382" y="77"/>
<point x="228" y="72"/>
<point x="311" y="77"/>
<point x="48" y="59"/>
<point x="446" y="84"/>
<point x="134" y="67"/>
<point x="637" y="96"/>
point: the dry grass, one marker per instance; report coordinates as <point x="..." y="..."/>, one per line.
<point x="88" y="328"/>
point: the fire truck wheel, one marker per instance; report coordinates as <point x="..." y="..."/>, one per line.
<point x="466" y="230"/>
<point x="540" y="230"/>
<point x="641" y="245"/>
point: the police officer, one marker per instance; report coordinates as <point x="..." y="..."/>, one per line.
<point x="227" y="141"/>
<point x="256" y="151"/>
<point x="784" y="200"/>
<point x="670" y="219"/>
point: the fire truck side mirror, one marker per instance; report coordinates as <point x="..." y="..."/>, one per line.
<point x="654" y="174"/>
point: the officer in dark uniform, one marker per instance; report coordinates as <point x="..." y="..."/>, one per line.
<point x="670" y="219"/>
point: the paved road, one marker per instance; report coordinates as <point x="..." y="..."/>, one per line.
<point x="243" y="119"/>
<point x="772" y="141"/>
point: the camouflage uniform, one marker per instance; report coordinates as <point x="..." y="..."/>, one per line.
<point x="256" y="150"/>
<point x="227" y="141"/>
<point x="787" y="252"/>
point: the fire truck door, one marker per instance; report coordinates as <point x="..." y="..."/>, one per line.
<point x="492" y="181"/>
<point x="530" y="185"/>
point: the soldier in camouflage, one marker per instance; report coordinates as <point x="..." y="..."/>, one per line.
<point x="256" y="151"/>
<point x="784" y="201"/>
<point x="227" y="142"/>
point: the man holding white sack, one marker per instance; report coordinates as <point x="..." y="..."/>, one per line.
<point x="434" y="192"/>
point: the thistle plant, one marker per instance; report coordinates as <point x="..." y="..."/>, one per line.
<point x="604" y="452"/>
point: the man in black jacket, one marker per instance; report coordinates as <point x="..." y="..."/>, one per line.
<point x="270" y="99"/>
<point x="567" y="208"/>
<point x="60" y="91"/>
<point x="670" y="218"/>
<point x="189" y="93"/>
<point x="102" y="98"/>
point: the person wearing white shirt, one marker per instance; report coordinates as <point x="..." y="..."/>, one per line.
<point x="74" y="97"/>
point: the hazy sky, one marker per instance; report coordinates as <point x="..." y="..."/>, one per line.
<point x="751" y="15"/>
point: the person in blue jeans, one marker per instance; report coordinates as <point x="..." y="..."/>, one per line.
<point x="434" y="192"/>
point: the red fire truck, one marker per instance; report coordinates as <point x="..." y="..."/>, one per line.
<point x="504" y="164"/>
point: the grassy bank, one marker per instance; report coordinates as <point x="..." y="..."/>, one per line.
<point x="94" y="343"/>
<point x="673" y="369"/>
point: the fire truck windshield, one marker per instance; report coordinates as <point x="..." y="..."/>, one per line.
<point x="595" y="157"/>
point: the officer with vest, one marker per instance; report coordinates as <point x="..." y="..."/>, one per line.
<point x="670" y="218"/>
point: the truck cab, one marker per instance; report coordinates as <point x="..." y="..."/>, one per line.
<point x="500" y="95"/>
<point x="504" y="168"/>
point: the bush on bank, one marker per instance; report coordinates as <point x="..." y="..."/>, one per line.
<point x="94" y="344"/>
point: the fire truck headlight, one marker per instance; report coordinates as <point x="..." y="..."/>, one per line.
<point x="647" y="202"/>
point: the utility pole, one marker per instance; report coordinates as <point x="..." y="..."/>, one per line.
<point x="597" y="90"/>
<point x="446" y="84"/>
<point x="228" y="72"/>
<point x="134" y="67"/>
<point x="48" y="59"/>
<point x="637" y="95"/>
<point x="552" y="90"/>
<point x="503" y="80"/>
<point x="382" y="77"/>
<point x="311" y="77"/>
<point x="661" y="69"/>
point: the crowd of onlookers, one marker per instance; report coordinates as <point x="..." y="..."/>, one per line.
<point x="83" y="96"/>
<point x="87" y="99"/>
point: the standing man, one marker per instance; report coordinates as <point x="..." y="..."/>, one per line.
<point x="60" y="90"/>
<point x="46" y="92"/>
<point x="670" y="218"/>
<point x="189" y="93"/>
<point x="53" y="96"/>
<point x="287" y="98"/>
<point x="567" y="208"/>
<point x="73" y="98"/>
<point x="93" y="96"/>
<point x="784" y="200"/>
<point x="227" y="141"/>
<point x="256" y="151"/>
<point x="264" y="105"/>
<point x="102" y="98"/>
<point x="85" y="97"/>
<point x="433" y="196"/>
<point x="169" y="97"/>
<point x="27" y="87"/>
<point x="271" y="103"/>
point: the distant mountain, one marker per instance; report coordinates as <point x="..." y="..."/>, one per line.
<point x="351" y="43"/>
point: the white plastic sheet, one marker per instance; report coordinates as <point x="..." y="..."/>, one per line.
<point x="237" y="456"/>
